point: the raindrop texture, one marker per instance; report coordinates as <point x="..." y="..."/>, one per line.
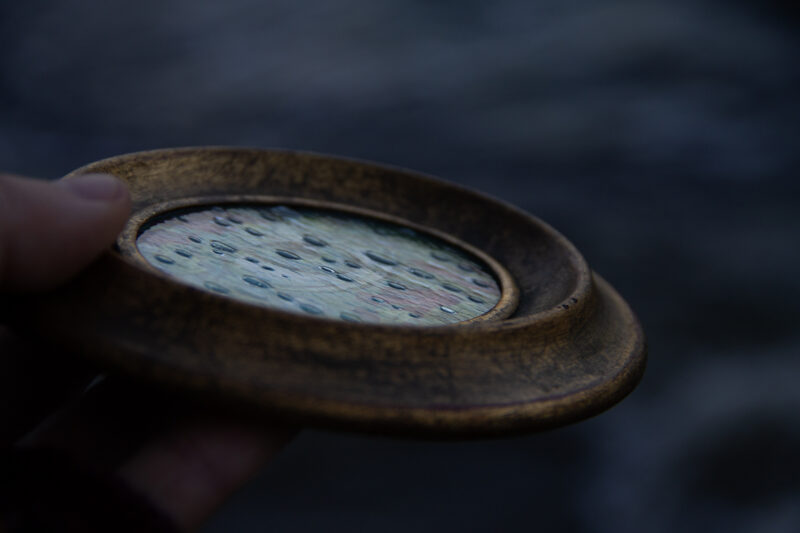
<point x="310" y="239"/>
<point x="321" y="263"/>
<point x="257" y="282"/>
<point x="222" y="247"/>
<point x="380" y="259"/>
<point x="288" y="255"/>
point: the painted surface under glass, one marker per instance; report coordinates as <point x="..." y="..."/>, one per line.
<point x="322" y="263"/>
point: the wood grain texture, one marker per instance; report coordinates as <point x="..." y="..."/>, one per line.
<point x="571" y="348"/>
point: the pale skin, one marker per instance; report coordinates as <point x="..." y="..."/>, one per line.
<point x="188" y="461"/>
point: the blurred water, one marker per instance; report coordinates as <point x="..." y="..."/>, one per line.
<point x="661" y="137"/>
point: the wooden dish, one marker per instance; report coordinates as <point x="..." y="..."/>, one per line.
<point x="559" y="344"/>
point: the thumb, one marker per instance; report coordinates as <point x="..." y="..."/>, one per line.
<point x="49" y="231"/>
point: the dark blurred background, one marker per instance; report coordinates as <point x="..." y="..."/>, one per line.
<point x="660" y="136"/>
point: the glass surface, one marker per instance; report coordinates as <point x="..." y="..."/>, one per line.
<point x="322" y="263"/>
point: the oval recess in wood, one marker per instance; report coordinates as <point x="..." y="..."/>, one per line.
<point x="554" y="344"/>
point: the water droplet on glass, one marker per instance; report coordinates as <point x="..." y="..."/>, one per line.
<point x="380" y="259"/>
<point x="164" y="259"/>
<point x="195" y="239"/>
<point x="267" y="267"/>
<point x="451" y="287"/>
<point x="421" y="273"/>
<point x="328" y="259"/>
<point x="288" y="255"/>
<point x="345" y="278"/>
<point x="311" y="309"/>
<point x="257" y="282"/>
<point x="215" y="287"/>
<point x="284" y="296"/>
<point x="378" y="300"/>
<point x="183" y="253"/>
<point x="251" y="259"/>
<point x="327" y="269"/>
<point x="314" y="241"/>
<point x="234" y="219"/>
<point x="476" y="299"/>
<point x="254" y="232"/>
<point x="352" y="264"/>
<point x="222" y="222"/>
<point x="395" y="285"/>
<point x="414" y="315"/>
<point x="466" y="267"/>
<point x="440" y="256"/>
<point x="447" y="310"/>
<point x="219" y="246"/>
<point x="481" y="283"/>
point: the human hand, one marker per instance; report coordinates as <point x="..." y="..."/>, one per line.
<point x="183" y="458"/>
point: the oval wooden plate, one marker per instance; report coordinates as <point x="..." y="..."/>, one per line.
<point x="559" y="346"/>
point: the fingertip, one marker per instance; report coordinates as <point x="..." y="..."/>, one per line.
<point x="99" y="204"/>
<point x="49" y="231"/>
<point x="95" y="187"/>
